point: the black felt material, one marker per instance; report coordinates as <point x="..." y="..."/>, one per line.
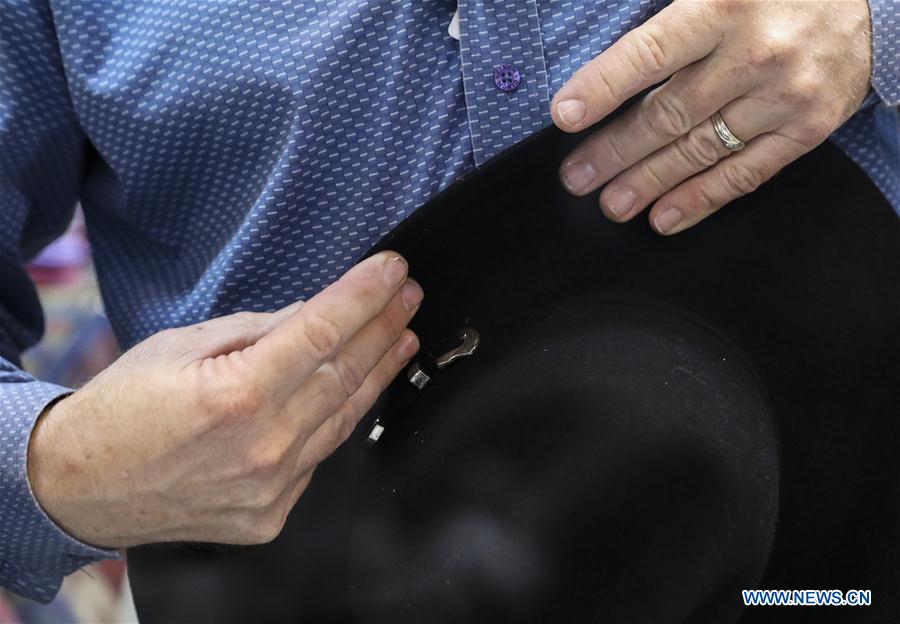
<point x="574" y="462"/>
<point x="650" y="425"/>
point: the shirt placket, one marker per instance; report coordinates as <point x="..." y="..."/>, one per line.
<point x="504" y="73"/>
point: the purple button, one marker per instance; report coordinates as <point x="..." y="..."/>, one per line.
<point x="507" y="77"/>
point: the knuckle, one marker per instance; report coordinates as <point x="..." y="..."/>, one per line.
<point x="601" y="84"/>
<point x="256" y="535"/>
<point x="656" y="179"/>
<point x="741" y="179"/>
<point x="698" y="150"/>
<point x="667" y="115"/>
<point x="263" y="465"/>
<point x="805" y="88"/>
<point x="263" y="499"/>
<point x="761" y="56"/>
<point x="343" y="424"/>
<point x="610" y="150"/>
<point x="646" y="54"/>
<point x="392" y="323"/>
<point x="771" y="49"/>
<point x="702" y="199"/>
<point x="322" y="334"/>
<point x="266" y="527"/>
<point x="230" y="399"/>
<point x="244" y="316"/>
<point x="351" y="371"/>
<point x="346" y="426"/>
<point x="318" y="391"/>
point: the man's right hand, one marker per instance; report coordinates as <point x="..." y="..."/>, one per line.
<point x="211" y="432"/>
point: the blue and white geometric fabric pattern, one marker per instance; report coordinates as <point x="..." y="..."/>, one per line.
<point x="242" y="154"/>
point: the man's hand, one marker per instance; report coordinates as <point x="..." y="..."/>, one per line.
<point x="211" y="432"/>
<point x="783" y="74"/>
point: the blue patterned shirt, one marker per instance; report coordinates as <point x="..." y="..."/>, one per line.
<point x="242" y="154"/>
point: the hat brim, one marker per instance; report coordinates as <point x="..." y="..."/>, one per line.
<point x="800" y="279"/>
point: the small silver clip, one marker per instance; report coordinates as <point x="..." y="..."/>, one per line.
<point x="470" y="339"/>
<point x="417" y="376"/>
<point x="375" y="434"/>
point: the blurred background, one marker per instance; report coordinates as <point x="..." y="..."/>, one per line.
<point x="77" y="344"/>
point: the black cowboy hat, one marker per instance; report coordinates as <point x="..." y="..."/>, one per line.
<point x="604" y="424"/>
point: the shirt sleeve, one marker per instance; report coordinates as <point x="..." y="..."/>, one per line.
<point x="886" y="50"/>
<point x="42" y="152"/>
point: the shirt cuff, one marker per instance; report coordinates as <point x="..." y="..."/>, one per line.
<point x="35" y="553"/>
<point x="886" y="50"/>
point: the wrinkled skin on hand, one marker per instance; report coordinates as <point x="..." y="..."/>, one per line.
<point x="784" y="74"/>
<point x="212" y="432"/>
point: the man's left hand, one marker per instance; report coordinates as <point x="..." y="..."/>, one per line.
<point x="783" y="75"/>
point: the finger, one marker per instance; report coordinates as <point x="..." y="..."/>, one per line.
<point x="677" y="36"/>
<point x="701" y="148"/>
<point x="342" y="376"/>
<point x="279" y="316"/>
<point x="733" y="177"/>
<point x="226" y="334"/>
<point x="664" y="115"/>
<point x="335" y="430"/>
<point x="308" y="451"/>
<point x="311" y="336"/>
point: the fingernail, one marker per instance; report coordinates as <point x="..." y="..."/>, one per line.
<point x="571" y="112"/>
<point x="577" y="176"/>
<point x="412" y="295"/>
<point x="408" y="347"/>
<point x="667" y="220"/>
<point x="395" y="271"/>
<point x="620" y="200"/>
